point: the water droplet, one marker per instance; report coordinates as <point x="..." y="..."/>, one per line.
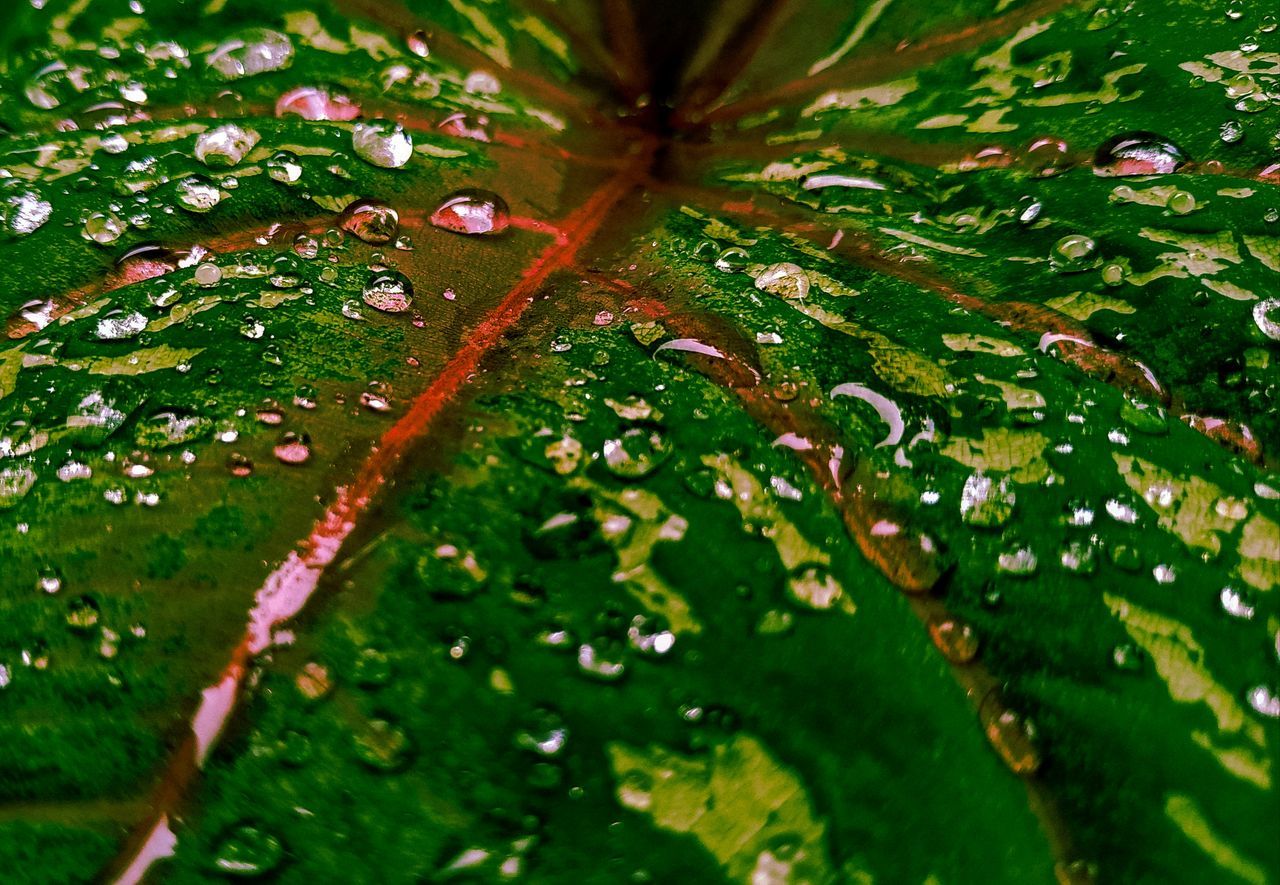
<point x="306" y="246"/>
<point x="733" y="260"/>
<point x="317" y="103"/>
<point x="48" y="579"/>
<point x="120" y="325"/>
<point x="1181" y="203"/>
<point x="383" y="745"/>
<point x="1074" y="253"/>
<point x="1011" y="736"/>
<point x="15" y="483"/>
<point x="472" y="211"/>
<point x="389" y="292"/>
<point x="248" y="852"/>
<point x="1017" y="559"/>
<point x="208" y="274"/>
<point x="985" y="501"/>
<point x="785" y="280"/>
<point x="372" y="221"/>
<point x="956" y="639"/>
<point x="82" y="614"/>
<point x="24" y="213"/>
<point x="284" y="167"/>
<point x="462" y="125"/>
<point x="1237" y="603"/>
<point x="196" y="193"/>
<point x="545" y="734"/>
<point x="1138" y="153"/>
<point x="285" y="272"/>
<point x="169" y="427"/>
<point x="1265" y="701"/>
<point x="1266" y="314"/>
<point x="103" y="228"/>
<point x="604" y="664"/>
<point x="637" y="453"/>
<point x="813" y="586"/>
<point x="482" y="83"/>
<point x="224" y="146"/>
<point x="417" y="43"/>
<point x="382" y="143"/>
<point x="254" y="51"/>
<point x="293" y="449"/>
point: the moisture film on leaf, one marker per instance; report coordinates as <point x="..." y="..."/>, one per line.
<point x="755" y="441"/>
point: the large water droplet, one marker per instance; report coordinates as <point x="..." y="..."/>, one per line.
<point x="103" y="228"/>
<point x="120" y="325"/>
<point x="15" y="482"/>
<point x="248" y="851"/>
<point x="1138" y="153"/>
<point x="382" y="745"/>
<point x="785" y="280"/>
<point x="284" y="167"/>
<point x="813" y="586"/>
<point x="293" y="449"/>
<point x="316" y="103"/>
<point x="224" y="146"/>
<point x="372" y="221"/>
<point x="382" y="143"/>
<point x="254" y="51"/>
<point x="956" y="639"/>
<point x="1011" y="736"/>
<point x="389" y="291"/>
<point x="1266" y="314"/>
<point x="985" y="501"/>
<point x="636" y="453"/>
<point x="23" y="213"/>
<point x="1074" y="253"/>
<point x="197" y="194"/>
<point x="472" y="211"/>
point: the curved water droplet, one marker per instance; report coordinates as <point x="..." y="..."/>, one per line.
<point x="382" y="143"/>
<point x="472" y="211"/>
<point x="224" y="146"/>
<point x="317" y="103"/>
<point x="253" y="51"/>
<point x="1137" y="153"/>
<point x="372" y="221"/>
<point x="389" y="291"/>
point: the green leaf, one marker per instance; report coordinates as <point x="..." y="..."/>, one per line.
<point x="510" y="439"/>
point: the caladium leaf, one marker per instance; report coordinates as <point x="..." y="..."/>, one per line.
<point x="770" y="442"/>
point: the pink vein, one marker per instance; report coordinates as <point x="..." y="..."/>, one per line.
<point x="287" y="589"/>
